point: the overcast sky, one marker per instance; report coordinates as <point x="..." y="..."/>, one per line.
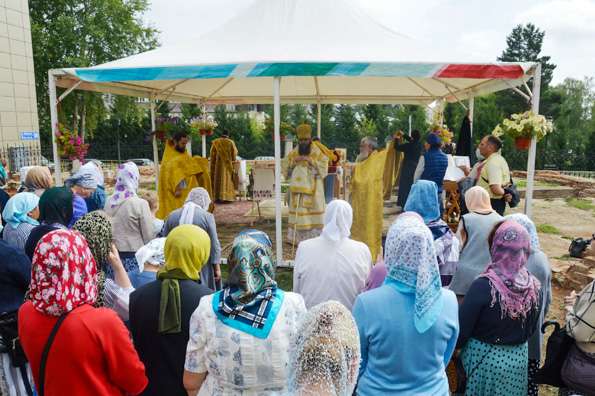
<point x="470" y="29"/>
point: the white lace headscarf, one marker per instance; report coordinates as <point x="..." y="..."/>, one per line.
<point x="197" y="198"/>
<point x="325" y="352"/>
<point x="152" y="253"/>
<point x="338" y="218"/>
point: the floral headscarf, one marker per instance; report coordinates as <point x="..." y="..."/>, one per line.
<point x="96" y="227"/>
<point x="16" y="210"/>
<point x="126" y="184"/>
<point x="410" y="259"/>
<point x="325" y="352"/>
<point x="512" y="285"/>
<point x="529" y="225"/>
<point x="251" y="266"/>
<point x="251" y="301"/>
<point x="64" y="274"/>
<point x="423" y="199"/>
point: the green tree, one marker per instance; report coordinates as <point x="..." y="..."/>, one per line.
<point x="347" y="130"/>
<point x="524" y="44"/>
<point x="80" y="33"/>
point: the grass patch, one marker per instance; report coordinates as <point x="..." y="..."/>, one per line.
<point x="563" y="257"/>
<point x="522" y="183"/>
<point x="582" y="204"/>
<point x="548" y="229"/>
<point x="284" y="277"/>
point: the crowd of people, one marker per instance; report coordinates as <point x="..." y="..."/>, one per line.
<point x="98" y="296"/>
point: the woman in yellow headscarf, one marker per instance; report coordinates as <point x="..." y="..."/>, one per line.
<point x="160" y="311"/>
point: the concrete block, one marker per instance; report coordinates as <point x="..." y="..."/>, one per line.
<point x="5" y="75"/>
<point x="14" y="18"/>
<point x="16" y="33"/>
<point x="18" y="62"/>
<point x="5" y="60"/>
<point x="14" y="5"/>
<point x="21" y="90"/>
<point x="9" y="133"/>
<point x="7" y="103"/>
<point x="26" y="19"/>
<point x="17" y="47"/>
<point x="23" y="119"/>
<point x="3" y="29"/>
<point x="27" y="35"/>
<point x="2" y="14"/>
<point x="35" y="117"/>
<point x="8" y="118"/>
<point x="4" y="45"/>
<point x="22" y="104"/>
<point x="6" y="89"/>
<point x="20" y="77"/>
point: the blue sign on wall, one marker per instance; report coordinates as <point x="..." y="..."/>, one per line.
<point x="29" y="135"/>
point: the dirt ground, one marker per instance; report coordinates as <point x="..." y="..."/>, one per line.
<point x="558" y="220"/>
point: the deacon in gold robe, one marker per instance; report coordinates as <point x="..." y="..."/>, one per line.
<point x="305" y="168"/>
<point x="223" y="155"/>
<point x="179" y="174"/>
<point x="372" y="181"/>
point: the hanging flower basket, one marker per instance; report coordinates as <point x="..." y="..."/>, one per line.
<point x="522" y="143"/>
<point x="203" y="126"/>
<point x="160" y="135"/>
<point x="523" y="127"/>
<point x="70" y="145"/>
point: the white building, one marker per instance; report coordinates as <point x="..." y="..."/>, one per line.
<point x="19" y="122"/>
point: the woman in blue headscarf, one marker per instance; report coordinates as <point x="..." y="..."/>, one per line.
<point x="20" y="213"/>
<point x="423" y="199"/>
<point x="250" y="317"/>
<point x="409" y="326"/>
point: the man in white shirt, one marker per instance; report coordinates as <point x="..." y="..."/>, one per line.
<point x="332" y="266"/>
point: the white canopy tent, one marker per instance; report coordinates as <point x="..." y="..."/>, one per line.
<point x="297" y="51"/>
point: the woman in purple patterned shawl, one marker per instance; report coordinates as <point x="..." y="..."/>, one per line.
<point x="499" y="313"/>
<point x="131" y="216"/>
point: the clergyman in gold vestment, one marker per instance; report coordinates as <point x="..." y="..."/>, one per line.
<point x="223" y="155"/>
<point x="179" y="173"/>
<point x="373" y="178"/>
<point x="305" y="168"/>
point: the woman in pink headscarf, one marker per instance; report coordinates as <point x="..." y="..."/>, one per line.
<point x="498" y="315"/>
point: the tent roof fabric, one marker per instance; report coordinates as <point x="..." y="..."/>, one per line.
<point x="326" y="51"/>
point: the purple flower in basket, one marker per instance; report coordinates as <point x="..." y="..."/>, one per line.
<point x="120" y="187"/>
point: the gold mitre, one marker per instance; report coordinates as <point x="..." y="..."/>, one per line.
<point x="304" y="131"/>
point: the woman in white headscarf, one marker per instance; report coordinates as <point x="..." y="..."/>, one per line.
<point x="334" y="260"/>
<point x="195" y="211"/>
<point x="325" y="353"/>
<point x="409" y="326"/>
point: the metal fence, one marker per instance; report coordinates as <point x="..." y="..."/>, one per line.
<point x="21" y="155"/>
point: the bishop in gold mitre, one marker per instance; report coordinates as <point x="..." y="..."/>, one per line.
<point x="305" y="167"/>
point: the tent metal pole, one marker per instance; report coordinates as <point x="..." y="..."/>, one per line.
<point x="318" y="117"/>
<point x="533" y="147"/>
<point x="471" y="112"/>
<point x="54" y="121"/>
<point x="155" y="150"/>
<point x="277" y="121"/>
<point x="204" y="137"/>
